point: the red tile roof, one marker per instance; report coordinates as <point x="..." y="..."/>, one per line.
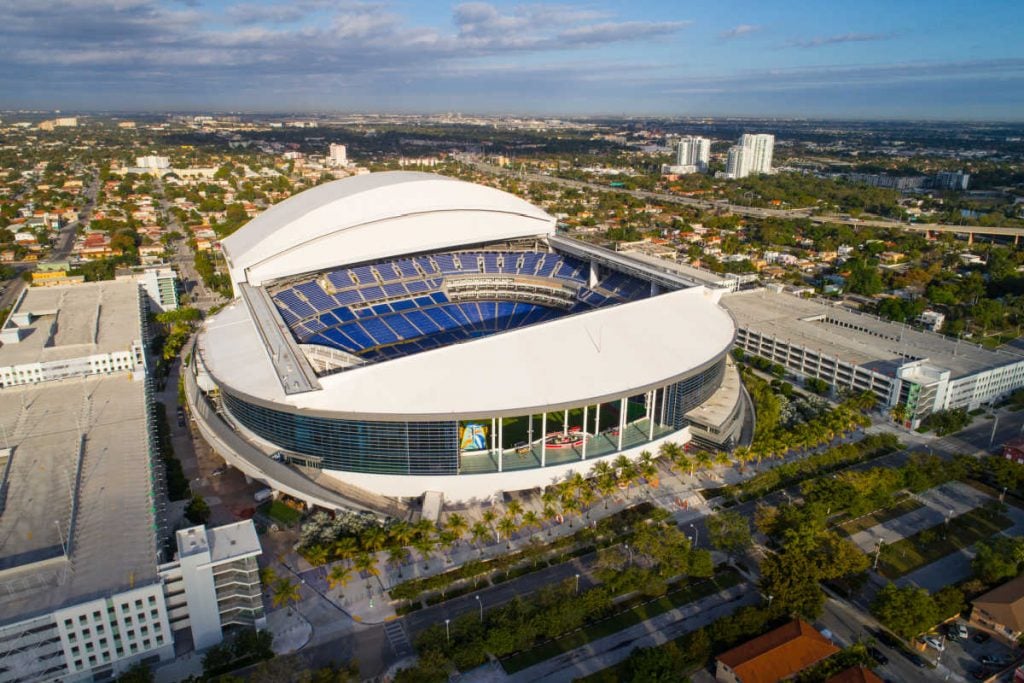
<point x="778" y="654"/>
<point x="855" y="674"/>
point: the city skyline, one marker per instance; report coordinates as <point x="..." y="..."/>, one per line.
<point x="939" y="60"/>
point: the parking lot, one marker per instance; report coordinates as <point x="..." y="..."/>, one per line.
<point x="964" y="657"/>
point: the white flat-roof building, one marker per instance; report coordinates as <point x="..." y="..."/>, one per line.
<point x="161" y="285"/>
<point x="53" y="333"/>
<point x="405" y="332"/>
<point x="83" y="595"/>
<point x="214" y="582"/>
<point x="924" y="371"/>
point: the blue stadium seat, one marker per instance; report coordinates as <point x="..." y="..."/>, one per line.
<point x="348" y="297"/>
<point x="387" y="272"/>
<point x="316" y="296"/>
<point x="379" y="331"/>
<point x="401" y="326"/>
<point x="491" y="262"/>
<point x="423" y="322"/>
<point x="344" y="314"/>
<point x="395" y="289"/>
<point x="381" y="309"/>
<point x="364" y="274"/>
<point x="403" y="305"/>
<point x="416" y="286"/>
<point x="372" y="293"/>
<point x="446" y="263"/>
<point x="406" y="267"/>
<point x="356" y="333"/>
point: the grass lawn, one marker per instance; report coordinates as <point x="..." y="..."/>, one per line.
<point x="282" y="514"/>
<point x="615" y="623"/>
<point x="932" y="544"/>
<point x="879" y="516"/>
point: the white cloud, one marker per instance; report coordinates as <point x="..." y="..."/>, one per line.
<point x="739" y="31"/>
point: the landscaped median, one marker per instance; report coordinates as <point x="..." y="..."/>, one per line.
<point x="865" y="522"/>
<point x="640" y="610"/>
<point x="932" y="544"/>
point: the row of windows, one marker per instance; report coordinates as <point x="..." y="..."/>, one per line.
<point x="413" y="448"/>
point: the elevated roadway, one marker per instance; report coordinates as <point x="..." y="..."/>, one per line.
<point x="721" y="205"/>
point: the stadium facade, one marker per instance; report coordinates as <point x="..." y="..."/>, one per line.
<point x="398" y="333"/>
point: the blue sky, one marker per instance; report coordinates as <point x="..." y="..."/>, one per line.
<point x="804" y="58"/>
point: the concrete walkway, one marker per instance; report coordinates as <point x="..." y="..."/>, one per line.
<point x="610" y="650"/>
<point x="949" y="500"/>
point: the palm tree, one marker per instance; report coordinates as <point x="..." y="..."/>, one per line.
<point x="344" y="548"/>
<point x="480" y="532"/>
<point x="549" y="496"/>
<point x="373" y="539"/>
<point x="576" y="483"/>
<point x="606" y="486"/>
<point x="401" y="533"/>
<point x="549" y="513"/>
<point x="601" y="468"/>
<point x="316" y="555"/>
<point x="423" y="527"/>
<point x="268" y="576"/>
<point x="338" y="576"/>
<point x="507" y="525"/>
<point x="489" y="518"/>
<point x="285" y="592"/>
<point x="397" y="556"/>
<point x="569" y="506"/>
<point x="704" y="459"/>
<point x="586" y="499"/>
<point x="530" y="520"/>
<point x="457" y="524"/>
<point x="683" y="462"/>
<point x="514" y="508"/>
<point x="365" y="562"/>
<point x="424" y="546"/>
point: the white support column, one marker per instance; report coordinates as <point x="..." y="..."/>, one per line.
<point x="664" y="404"/>
<point x="650" y="415"/>
<point x="501" y="444"/>
<point x="529" y="432"/>
<point x="586" y="431"/>
<point x="493" y="435"/>
<point x="597" y="421"/>
<point x="544" y="440"/>
<point x="622" y="420"/>
<point x="565" y="423"/>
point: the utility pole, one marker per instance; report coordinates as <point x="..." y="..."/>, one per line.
<point x="878" y="552"/>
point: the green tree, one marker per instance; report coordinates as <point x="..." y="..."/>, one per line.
<point x="198" y="510"/>
<point x="729" y="531"/>
<point x="656" y="664"/>
<point x="906" y="611"/>
<point x="791" y="578"/>
<point x="998" y="559"/>
<point x="286" y="592"/>
<point x="139" y="673"/>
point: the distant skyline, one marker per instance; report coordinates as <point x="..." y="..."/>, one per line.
<point x="869" y="59"/>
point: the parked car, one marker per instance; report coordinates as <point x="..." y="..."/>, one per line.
<point x="935" y="642"/>
<point x="917" y="660"/>
<point x="957" y="631"/>
<point x="878" y="655"/>
<point x="994" y="660"/>
<point x="981" y="637"/>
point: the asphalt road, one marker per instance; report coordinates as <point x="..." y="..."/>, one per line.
<point x="753" y="211"/>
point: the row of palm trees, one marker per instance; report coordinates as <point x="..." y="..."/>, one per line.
<point x="569" y="501"/>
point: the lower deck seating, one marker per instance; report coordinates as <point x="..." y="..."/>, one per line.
<point x="394" y="308"/>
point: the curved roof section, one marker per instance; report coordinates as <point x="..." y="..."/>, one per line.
<point x="375" y="216"/>
<point x="590" y="356"/>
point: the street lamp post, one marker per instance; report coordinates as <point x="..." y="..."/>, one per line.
<point x="878" y="551"/>
<point x="626" y="546"/>
<point x="447" y="630"/>
<point x="577" y="584"/>
<point x="481" y="603"/>
<point x="695" y="535"/>
<point x="770" y="598"/>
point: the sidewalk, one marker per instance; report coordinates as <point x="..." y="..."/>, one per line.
<point x="610" y="650"/>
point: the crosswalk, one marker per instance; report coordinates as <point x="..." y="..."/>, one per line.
<point x="398" y="638"/>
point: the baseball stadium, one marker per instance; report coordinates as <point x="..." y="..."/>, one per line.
<point x="399" y="333"/>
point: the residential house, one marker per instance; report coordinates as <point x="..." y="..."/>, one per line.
<point x="774" y="656"/>
<point x="1001" y="610"/>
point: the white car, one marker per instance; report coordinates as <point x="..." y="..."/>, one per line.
<point x="935" y="642"/>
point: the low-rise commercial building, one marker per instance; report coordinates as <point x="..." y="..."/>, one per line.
<point x="922" y="371"/>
